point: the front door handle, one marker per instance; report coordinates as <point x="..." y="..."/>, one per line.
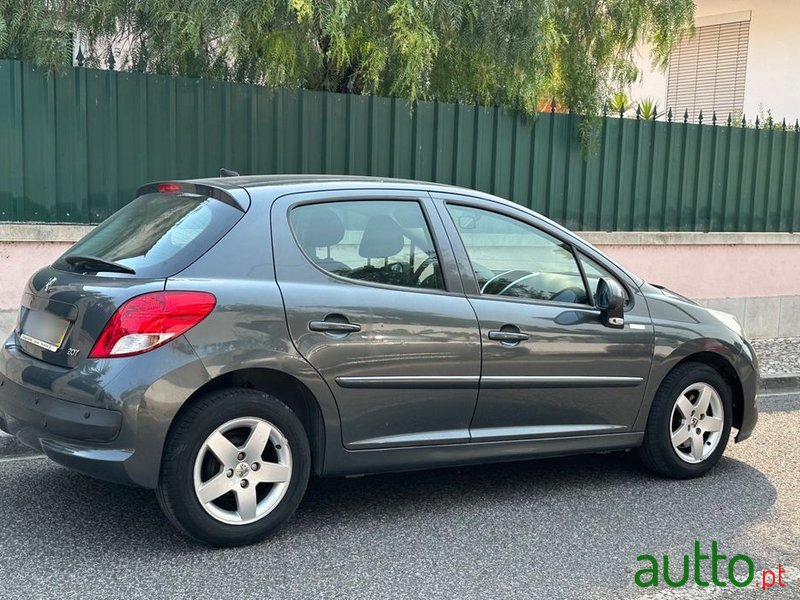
<point x="508" y="337"/>
<point x="333" y="327"/>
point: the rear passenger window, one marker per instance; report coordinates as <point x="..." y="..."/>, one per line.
<point x="379" y="241"/>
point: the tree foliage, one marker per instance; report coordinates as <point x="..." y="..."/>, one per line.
<point x="32" y="30"/>
<point x="510" y="52"/>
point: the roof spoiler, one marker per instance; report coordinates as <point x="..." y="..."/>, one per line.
<point x="236" y="197"/>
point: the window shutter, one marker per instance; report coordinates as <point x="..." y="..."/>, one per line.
<point x="707" y="71"/>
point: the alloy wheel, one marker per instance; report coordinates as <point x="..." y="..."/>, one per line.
<point x="242" y="470"/>
<point x="696" y="423"/>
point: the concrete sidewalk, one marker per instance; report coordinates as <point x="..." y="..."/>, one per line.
<point x="779" y="363"/>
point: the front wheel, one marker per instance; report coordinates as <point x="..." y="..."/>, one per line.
<point x="689" y="423"/>
<point x="235" y="468"/>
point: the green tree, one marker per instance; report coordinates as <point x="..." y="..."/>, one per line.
<point x="34" y="30"/>
<point x="515" y="53"/>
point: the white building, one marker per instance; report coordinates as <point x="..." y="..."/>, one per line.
<point x="743" y="58"/>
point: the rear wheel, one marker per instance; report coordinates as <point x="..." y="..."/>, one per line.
<point x="235" y="468"/>
<point x="689" y="423"/>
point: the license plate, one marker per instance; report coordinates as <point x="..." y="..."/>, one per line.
<point x="44" y="330"/>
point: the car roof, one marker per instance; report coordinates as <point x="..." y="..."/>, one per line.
<point x="258" y="181"/>
<point x="304" y="182"/>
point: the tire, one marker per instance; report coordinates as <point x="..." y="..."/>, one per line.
<point x="244" y="498"/>
<point x="686" y="434"/>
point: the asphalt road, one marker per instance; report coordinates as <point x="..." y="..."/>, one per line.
<point x="564" y="528"/>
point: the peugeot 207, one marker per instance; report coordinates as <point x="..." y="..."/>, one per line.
<point x="220" y="340"/>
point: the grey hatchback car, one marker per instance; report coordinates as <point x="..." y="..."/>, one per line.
<point x="219" y="340"/>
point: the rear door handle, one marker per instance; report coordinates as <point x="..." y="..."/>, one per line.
<point x="508" y="337"/>
<point x="333" y="327"/>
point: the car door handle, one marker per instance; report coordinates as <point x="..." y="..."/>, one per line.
<point x="333" y="327"/>
<point x="508" y="336"/>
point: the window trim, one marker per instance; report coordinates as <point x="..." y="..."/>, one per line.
<point x="372" y="198"/>
<point x="589" y="293"/>
<point x="590" y="305"/>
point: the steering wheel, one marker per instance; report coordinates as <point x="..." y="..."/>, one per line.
<point x="578" y="293"/>
<point x="421" y="268"/>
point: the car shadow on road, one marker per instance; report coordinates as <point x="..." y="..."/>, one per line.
<point x="481" y="529"/>
<point x="564" y="499"/>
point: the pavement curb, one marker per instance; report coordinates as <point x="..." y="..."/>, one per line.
<point x="785" y="383"/>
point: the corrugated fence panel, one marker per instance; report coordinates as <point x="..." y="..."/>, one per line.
<point x="12" y="179"/>
<point x="537" y="200"/>
<point x="71" y="186"/>
<point x="74" y="148"/>
<point x="238" y="138"/>
<point x="162" y="152"/>
<point x="133" y="145"/>
<point x="464" y="144"/>
<point x="187" y="126"/>
<point x="39" y="146"/>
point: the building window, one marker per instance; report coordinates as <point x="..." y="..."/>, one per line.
<point x="707" y="70"/>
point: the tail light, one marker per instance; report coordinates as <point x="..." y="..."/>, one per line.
<point x="151" y="320"/>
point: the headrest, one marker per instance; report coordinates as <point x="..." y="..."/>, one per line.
<point x="382" y="238"/>
<point x="407" y="214"/>
<point x="318" y="227"/>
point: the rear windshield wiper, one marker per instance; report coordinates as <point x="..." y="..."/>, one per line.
<point x="94" y="263"/>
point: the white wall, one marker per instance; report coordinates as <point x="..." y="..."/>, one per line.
<point x="773" y="57"/>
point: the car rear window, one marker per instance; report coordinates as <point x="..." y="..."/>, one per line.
<point x="156" y="235"/>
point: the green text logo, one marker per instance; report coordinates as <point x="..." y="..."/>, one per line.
<point x="722" y="570"/>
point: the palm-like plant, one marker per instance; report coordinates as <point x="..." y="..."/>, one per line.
<point x="620" y="103"/>
<point x="648" y="109"/>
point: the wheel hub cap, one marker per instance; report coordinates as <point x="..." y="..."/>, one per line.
<point x="242" y="470"/>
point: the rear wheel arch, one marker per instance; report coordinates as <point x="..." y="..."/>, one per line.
<point x="286" y="388"/>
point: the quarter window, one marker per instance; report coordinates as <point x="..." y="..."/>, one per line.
<point x="379" y="241"/>
<point x="511" y="258"/>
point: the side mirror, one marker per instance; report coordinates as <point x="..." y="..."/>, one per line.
<point x="610" y="299"/>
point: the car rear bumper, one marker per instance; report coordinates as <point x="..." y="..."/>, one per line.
<point x="22" y="409"/>
<point x="108" y="419"/>
<point x="46" y="423"/>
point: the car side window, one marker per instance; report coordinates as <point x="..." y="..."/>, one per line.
<point x="379" y="241"/>
<point x="512" y="258"/>
<point x="594" y="272"/>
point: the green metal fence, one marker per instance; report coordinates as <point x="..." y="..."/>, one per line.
<point x="74" y="148"/>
